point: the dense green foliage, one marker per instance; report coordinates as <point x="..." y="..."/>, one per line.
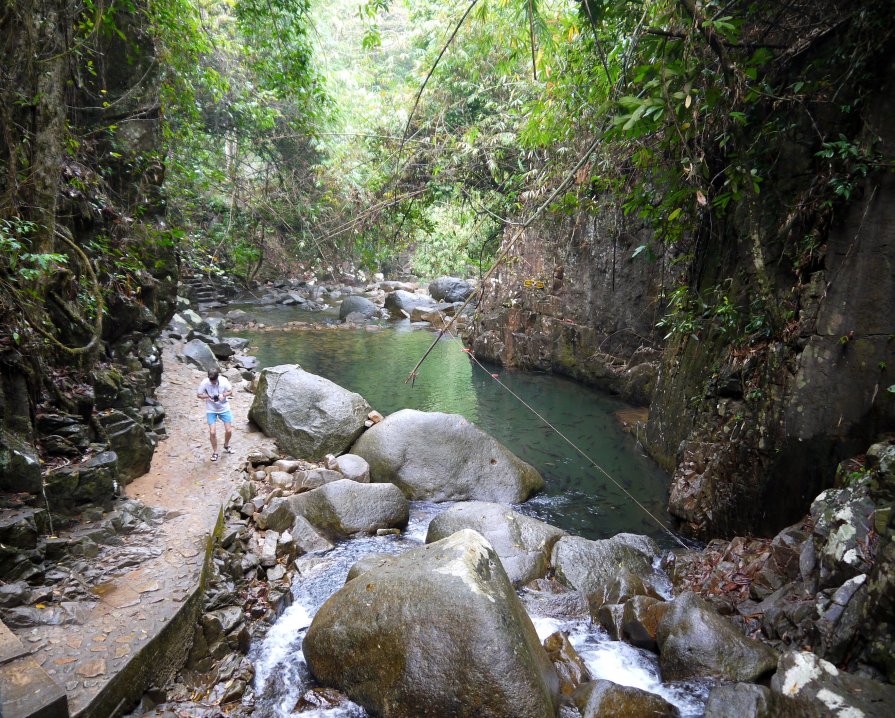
<point x="410" y="135"/>
<point x="685" y="109"/>
<point x="243" y="102"/>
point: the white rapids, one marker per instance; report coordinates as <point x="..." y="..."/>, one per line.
<point x="282" y="676"/>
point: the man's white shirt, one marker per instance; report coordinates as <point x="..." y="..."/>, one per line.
<point x="222" y="385"/>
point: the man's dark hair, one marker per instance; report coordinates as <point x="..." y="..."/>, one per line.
<point x="213" y="374"/>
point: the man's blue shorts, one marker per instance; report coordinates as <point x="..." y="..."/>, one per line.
<point x="225" y="416"/>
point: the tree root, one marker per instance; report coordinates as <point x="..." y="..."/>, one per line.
<point x="97" y="328"/>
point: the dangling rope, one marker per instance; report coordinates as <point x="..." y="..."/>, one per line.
<point x="571" y="443"/>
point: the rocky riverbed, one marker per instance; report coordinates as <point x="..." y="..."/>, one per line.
<point x="768" y="623"/>
<point x="739" y="613"/>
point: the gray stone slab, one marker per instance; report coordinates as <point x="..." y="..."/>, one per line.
<point x="26" y="691"/>
<point x="10" y="647"/>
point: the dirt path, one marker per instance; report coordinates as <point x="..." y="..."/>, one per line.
<point x="143" y="619"/>
<point x="182" y="476"/>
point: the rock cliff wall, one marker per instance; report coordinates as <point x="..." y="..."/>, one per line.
<point x="754" y="432"/>
<point x="573" y="301"/>
<point x="82" y="418"/>
<point x="751" y="418"/>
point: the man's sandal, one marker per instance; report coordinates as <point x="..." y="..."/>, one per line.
<point x="214" y="457"/>
<point x="228" y="450"/>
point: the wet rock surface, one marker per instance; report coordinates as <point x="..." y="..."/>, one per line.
<point x="450" y="289"/>
<point x="340" y="509"/>
<point x="813" y="583"/>
<point x="694" y="640"/>
<point x="401" y="303"/>
<point x="604" y="699"/>
<point x="589" y="566"/>
<point x="818" y="583"/>
<point x="818" y="686"/>
<point x="523" y="543"/>
<point x="358" y="305"/>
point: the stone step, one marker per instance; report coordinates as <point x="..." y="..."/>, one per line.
<point x="26" y="691"/>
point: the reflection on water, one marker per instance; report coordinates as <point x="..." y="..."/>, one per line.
<point x="578" y="497"/>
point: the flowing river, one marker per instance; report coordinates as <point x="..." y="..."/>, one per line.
<point x="578" y="498"/>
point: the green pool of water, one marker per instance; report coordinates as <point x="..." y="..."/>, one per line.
<point x="578" y="497"/>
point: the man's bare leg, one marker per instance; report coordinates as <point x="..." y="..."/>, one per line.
<point x="213" y="437"/>
<point x="228" y="432"/>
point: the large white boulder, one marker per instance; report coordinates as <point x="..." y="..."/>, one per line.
<point x="307" y="415"/>
<point x="523" y="543"/>
<point x="444" y="457"/>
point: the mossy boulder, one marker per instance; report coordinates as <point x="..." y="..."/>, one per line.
<point x="696" y="641"/>
<point x="605" y="699"/>
<point x="92" y="482"/>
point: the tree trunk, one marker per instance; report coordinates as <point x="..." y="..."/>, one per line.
<point x="48" y="73"/>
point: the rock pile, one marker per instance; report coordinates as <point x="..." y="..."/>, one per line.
<point x="56" y="579"/>
<point x="823" y="584"/>
<point x="359" y="302"/>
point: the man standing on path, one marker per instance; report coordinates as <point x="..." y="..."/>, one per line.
<point x="216" y="390"/>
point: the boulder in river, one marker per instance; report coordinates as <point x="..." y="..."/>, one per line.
<point x="749" y="700"/>
<point x="307" y="415"/>
<point x="570" y="668"/>
<point x="356" y="304"/>
<point x="400" y="303"/>
<point x="819" y="687"/>
<point x="340" y="509"/>
<point x="368" y="563"/>
<point x="523" y="543"/>
<point x="450" y="289"/>
<point x="624" y="585"/>
<point x="590" y="566"/>
<point x="640" y="619"/>
<point x="444" y="457"/>
<point x="695" y="640"/>
<point x="605" y="699"/>
<point x="306" y="538"/>
<point x="439" y="631"/>
<point x="438" y="315"/>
